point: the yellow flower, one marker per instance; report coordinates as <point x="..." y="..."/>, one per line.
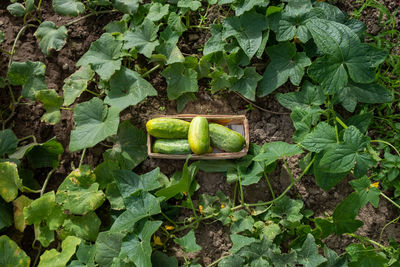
<point x="296" y="40"/>
<point x="185" y="193"/>
<point x="157" y="240"/>
<point x="169" y="227"/>
<point x="222" y="206"/>
<point x="376" y="185"/>
<point x="201" y="209"/>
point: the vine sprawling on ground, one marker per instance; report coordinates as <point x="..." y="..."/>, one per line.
<point x="311" y="45"/>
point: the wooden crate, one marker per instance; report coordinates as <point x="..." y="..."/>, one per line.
<point x="221" y="119"/>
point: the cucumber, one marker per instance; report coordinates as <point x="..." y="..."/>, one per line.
<point x="172" y="146"/>
<point x="168" y="128"/>
<point x="198" y="136"/>
<point x="225" y="139"/>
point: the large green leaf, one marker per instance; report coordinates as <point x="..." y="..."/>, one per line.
<point x="79" y="193"/>
<point x="130" y="146"/>
<point x="247" y="30"/>
<point x="188" y="242"/>
<point x="366" y="191"/>
<point x="138" y="206"/>
<point x="246" y="5"/>
<point x="11" y="254"/>
<point x="215" y="43"/>
<point x="9" y="181"/>
<point x="86" y="226"/>
<point x="75" y="84"/>
<point x="16" y="9"/>
<point x="292" y="21"/>
<point x="51" y="37"/>
<point x="321" y="138"/>
<point x="31" y="75"/>
<point x="240" y="241"/>
<point x="127" y="6"/>
<point x="286" y="63"/>
<point x="8" y="142"/>
<point x="180" y="80"/>
<point x="51" y="102"/>
<point x="19" y="219"/>
<point x="276" y="150"/>
<point x="159" y="259"/>
<point x="192" y="4"/>
<point x="345" y="213"/>
<point x="325" y="180"/>
<point x="310" y="95"/>
<point x="108" y="246"/>
<point x="136" y="246"/>
<point x="94" y="123"/>
<point x="143" y="38"/>
<point x="68" y="7"/>
<point x="128" y="88"/>
<point x="308" y="255"/>
<point x="288" y="209"/>
<point x="104" y="56"/>
<point x="345" y="56"/>
<point x="45" y="155"/>
<point x="371" y="93"/>
<point x="53" y="258"/>
<point x="247" y="84"/>
<point x="157" y="11"/>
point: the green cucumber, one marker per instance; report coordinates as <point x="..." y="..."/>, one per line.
<point x="225" y="139"/>
<point x="198" y="136"/>
<point x="168" y="128"/>
<point x="172" y="146"/>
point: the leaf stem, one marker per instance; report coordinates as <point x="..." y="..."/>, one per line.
<point x="341" y="122"/>
<point x="21" y="31"/>
<point x="235" y="193"/>
<point x="168" y="219"/>
<point x="89" y="15"/>
<point x="27" y="137"/>
<point x="147" y="73"/>
<point x="288" y="170"/>
<point x="46" y="181"/>
<point x="386" y="143"/>
<point x="39" y="5"/>
<point x="93" y="93"/>
<point x="362" y="238"/>
<point x="217" y="261"/>
<point x="241" y="188"/>
<point x="390" y="200"/>
<point x="82" y="156"/>
<point x="27" y="189"/>
<point x="386" y="225"/>
<point x="269" y="185"/>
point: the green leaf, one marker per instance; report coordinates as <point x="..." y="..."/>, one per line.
<point x="51" y="37"/>
<point x="19" y="219"/>
<point x="44" y="209"/>
<point x="53" y="258"/>
<point x="31" y="75"/>
<point x="276" y="150"/>
<point x="333" y="260"/>
<point x="369" y="93"/>
<point x="128" y="88"/>
<point x="86" y="226"/>
<point x="75" y="84"/>
<point x="247" y="5"/>
<point x="192" y="4"/>
<point x="108" y="246"/>
<point x="361" y="121"/>
<point x="9" y="181"/>
<point x="180" y="80"/>
<point x="292" y="21"/>
<point x="182" y="185"/>
<point x="79" y="193"/>
<point x="326" y="180"/>
<point x="16" y="9"/>
<point x="342" y="157"/>
<point x="136" y="246"/>
<point x="11" y="254"/>
<point x="188" y="242"/>
<point x="286" y="63"/>
<point x="310" y="95"/>
<point x="94" y="122"/>
<point x="308" y="254"/>
<point x="43" y="234"/>
<point x="45" y="155"/>
<point x="127" y="6"/>
<point x="51" y="102"/>
<point x="183" y="100"/>
<point x="219" y="80"/>
<point x="288" y="209"/>
<point x="129" y="182"/>
<point x="6" y="218"/>
<point x="175" y="22"/>
<point x="157" y="11"/>
<point x="258" y="252"/>
<point x="231" y="261"/>
<point x="104" y="56"/>
<point x="344" y="214"/>
<point x="138" y="206"/>
<point x="85" y="254"/>
<point x="247" y="84"/>
<point x="130" y="146"/>
<point x="247" y="30"/>
<point x="241" y="221"/>
<point x="362" y="256"/>
<point x="343" y="49"/>
<point x="240" y="241"/>
<point x="321" y="138"/>
<point x="143" y="38"/>
<point x="159" y="259"/>
<point x="366" y="191"/>
<point x="215" y="43"/>
<point x="68" y="7"/>
<point x="1" y="38"/>
<point x="8" y="142"/>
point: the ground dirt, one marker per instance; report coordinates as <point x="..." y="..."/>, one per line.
<point x="264" y="127"/>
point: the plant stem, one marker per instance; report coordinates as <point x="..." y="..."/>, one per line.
<point x="27" y="189"/>
<point x="386" y="225"/>
<point x="260" y="108"/>
<point x="82" y="156"/>
<point x="192" y="206"/>
<point x="168" y="219"/>
<point x="89" y="15"/>
<point x="147" y="73"/>
<point x="21" y="31"/>
<point x="288" y="170"/>
<point x="390" y="200"/>
<point x="217" y="261"/>
<point x="269" y="185"/>
<point x="46" y="181"/>
<point x="39" y="5"/>
<point x="204" y="16"/>
<point x="386" y="143"/>
<point x="362" y="238"/>
<point x="235" y="193"/>
<point x="27" y="137"/>
<point x="341" y="122"/>
<point x="93" y="93"/>
<point x="64" y="108"/>
<point x="241" y="188"/>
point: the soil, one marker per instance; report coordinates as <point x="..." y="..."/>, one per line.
<point x="265" y="127"/>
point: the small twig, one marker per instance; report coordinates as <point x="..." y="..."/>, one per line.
<point x="21" y="31"/>
<point x="386" y="225"/>
<point x="260" y="108"/>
